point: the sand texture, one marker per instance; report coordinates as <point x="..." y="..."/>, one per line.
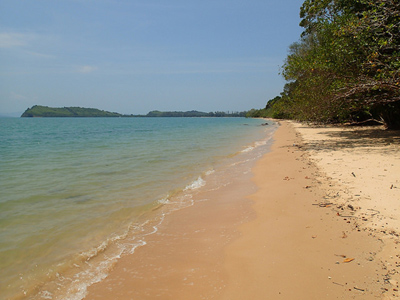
<point x="307" y="225"/>
<point x="362" y="166"/>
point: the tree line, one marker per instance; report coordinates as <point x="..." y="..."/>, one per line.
<point x="194" y="113"/>
<point x="345" y="66"/>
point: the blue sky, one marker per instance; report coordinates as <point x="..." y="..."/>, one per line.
<point x="133" y="56"/>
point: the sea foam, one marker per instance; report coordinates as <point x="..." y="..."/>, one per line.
<point x="198" y="183"/>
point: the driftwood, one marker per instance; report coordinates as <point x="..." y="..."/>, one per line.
<point x="369" y="122"/>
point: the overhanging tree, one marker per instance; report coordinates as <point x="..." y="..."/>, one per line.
<point x="347" y="61"/>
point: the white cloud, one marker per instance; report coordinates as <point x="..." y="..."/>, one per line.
<point x="87" y="69"/>
<point x="12" y="39"/>
<point x="25" y="43"/>
<point x="40" y="55"/>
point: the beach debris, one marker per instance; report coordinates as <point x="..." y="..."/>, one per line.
<point x="341" y="255"/>
<point x="376" y="211"/>
<point x="352" y="173"/>
<point x="350" y="206"/>
<point x="358" y="289"/>
<point x="344" y="235"/>
<point x="324" y="204"/>
<point x="344" y="216"/>
<point x="314" y="236"/>
<point x="347" y="260"/>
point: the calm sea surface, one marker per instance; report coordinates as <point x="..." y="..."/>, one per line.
<point x="78" y="193"/>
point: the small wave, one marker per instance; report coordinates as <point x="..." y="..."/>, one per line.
<point x="256" y="145"/>
<point x="198" y="183"/>
<point x="88" y="255"/>
<point x="98" y="271"/>
<point x="261" y="143"/>
<point x="248" y="149"/>
<point x="136" y="245"/>
<point x="164" y="201"/>
<point x="209" y="172"/>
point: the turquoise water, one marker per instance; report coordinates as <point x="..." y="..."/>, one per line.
<point x="77" y="194"/>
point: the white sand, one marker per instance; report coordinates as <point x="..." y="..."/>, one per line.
<point x="363" y="167"/>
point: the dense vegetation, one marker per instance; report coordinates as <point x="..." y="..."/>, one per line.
<point x="45" y="111"/>
<point x="346" y="65"/>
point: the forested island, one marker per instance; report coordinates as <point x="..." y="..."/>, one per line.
<point x="346" y="66"/>
<point x="45" y="111"/>
<point x="39" y="111"/>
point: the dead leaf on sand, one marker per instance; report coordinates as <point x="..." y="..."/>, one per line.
<point x="347" y="260"/>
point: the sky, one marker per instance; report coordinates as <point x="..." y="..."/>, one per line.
<point x="134" y="56"/>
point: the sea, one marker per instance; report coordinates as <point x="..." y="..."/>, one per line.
<point x="77" y="194"/>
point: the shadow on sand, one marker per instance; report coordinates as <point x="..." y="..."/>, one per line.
<point x="356" y="137"/>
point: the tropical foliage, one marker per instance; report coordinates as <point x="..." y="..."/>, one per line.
<point x="194" y="113"/>
<point x="346" y="65"/>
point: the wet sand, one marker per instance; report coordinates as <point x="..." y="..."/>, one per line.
<point x="277" y="235"/>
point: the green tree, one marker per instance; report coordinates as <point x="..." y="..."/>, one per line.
<point x="346" y="62"/>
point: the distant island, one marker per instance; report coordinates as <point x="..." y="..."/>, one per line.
<point x="45" y="111"/>
<point x="39" y="111"/>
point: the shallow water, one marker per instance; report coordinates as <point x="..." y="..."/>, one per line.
<point x="77" y="193"/>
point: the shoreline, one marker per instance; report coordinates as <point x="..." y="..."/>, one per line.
<point x="282" y="242"/>
<point x="299" y="247"/>
<point x="183" y="258"/>
<point x="97" y="193"/>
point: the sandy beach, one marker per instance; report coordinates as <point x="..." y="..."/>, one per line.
<point x="318" y="218"/>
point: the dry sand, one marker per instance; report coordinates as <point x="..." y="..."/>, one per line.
<point x="290" y="239"/>
<point x="362" y="167"/>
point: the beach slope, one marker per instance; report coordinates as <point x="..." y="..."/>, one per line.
<point x="285" y="233"/>
<point x="303" y="245"/>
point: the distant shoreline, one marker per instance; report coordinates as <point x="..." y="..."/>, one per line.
<point x="39" y="111"/>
